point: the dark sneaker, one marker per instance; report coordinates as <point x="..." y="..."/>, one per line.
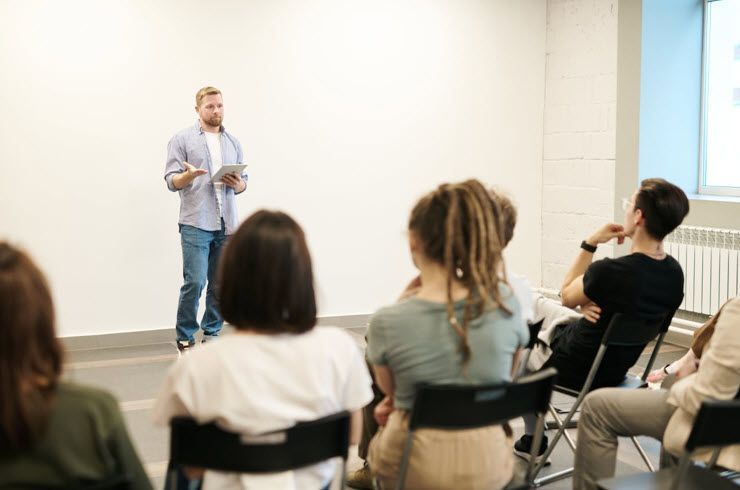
<point x="208" y="338"/>
<point x="523" y="448"/>
<point x="360" y="478"/>
<point x="184" y="347"/>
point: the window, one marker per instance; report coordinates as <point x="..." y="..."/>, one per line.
<point x="720" y="159"/>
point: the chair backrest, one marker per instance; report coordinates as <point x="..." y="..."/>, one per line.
<point x="306" y="443"/>
<point x="716" y="424"/>
<point x="468" y="406"/>
<point x="116" y="482"/>
<point x="628" y="330"/>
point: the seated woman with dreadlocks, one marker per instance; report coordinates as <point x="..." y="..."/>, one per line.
<point x="462" y="326"/>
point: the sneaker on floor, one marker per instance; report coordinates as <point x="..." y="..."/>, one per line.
<point x="360" y="478"/>
<point x="184" y="347"/>
<point x="208" y="338"/>
<point x="523" y="448"/>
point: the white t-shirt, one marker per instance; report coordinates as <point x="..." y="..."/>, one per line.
<point x="253" y="384"/>
<point x="523" y="293"/>
<point x="213" y="140"/>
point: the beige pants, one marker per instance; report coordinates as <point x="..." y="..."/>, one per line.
<point x="461" y="459"/>
<point x="609" y="413"/>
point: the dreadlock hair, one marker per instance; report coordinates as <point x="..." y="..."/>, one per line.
<point x="460" y="227"/>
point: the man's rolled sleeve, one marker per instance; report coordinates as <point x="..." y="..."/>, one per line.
<point x="175" y="157"/>
<point x="240" y="159"/>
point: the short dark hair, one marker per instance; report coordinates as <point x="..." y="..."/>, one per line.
<point x="265" y="276"/>
<point x="30" y="353"/>
<point x="664" y="206"/>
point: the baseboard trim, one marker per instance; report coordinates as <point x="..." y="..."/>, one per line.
<point x="679" y="336"/>
<point x="165" y="335"/>
<point x="124" y="339"/>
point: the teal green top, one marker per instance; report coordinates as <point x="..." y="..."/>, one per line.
<point x="86" y="440"/>
<point x="416" y="341"/>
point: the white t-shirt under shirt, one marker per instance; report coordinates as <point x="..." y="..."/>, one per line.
<point x="253" y="384"/>
<point x="213" y="140"/>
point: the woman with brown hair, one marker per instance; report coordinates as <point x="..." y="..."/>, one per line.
<point x="52" y="433"/>
<point x="690" y="361"/>
<point x="462" y="326"/>
<point x="277" y="368"/>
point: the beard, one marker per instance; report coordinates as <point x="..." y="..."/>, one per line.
<point x="214" y="121"/>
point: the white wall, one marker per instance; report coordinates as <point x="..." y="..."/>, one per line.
<point x="348" y="111"/>
<point x="579" y="129"/>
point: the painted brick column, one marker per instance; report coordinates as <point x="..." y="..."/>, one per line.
<point x="579" y="129"/>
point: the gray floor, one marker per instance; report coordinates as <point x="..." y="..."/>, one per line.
<point x="135" y="373"/>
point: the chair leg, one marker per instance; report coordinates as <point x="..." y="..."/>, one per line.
<point x="344" y="473"/>
<point x="643" y="454"/>
<point x="553" y="477"/>
<point x="537" y="441"/>
<point x="559" y="475"/>
<point x="405" y="461"/>
<point x="173" y="478"/>
<point x="683" y="467"/>
<point x="715" y="456"/>
<point x="564" y="423"/>
<point x="653" y="356"/>
<point x="561" y="431"/>
<point x="561" y="425"/>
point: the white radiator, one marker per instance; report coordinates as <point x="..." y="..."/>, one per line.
<point x="710" y="259"/>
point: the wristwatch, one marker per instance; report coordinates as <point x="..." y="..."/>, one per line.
<point x="588" y="247"/>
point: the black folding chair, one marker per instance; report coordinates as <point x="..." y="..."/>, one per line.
<point x="115" y="482"/>
<point x="459" y="407"/>
<point x="716" y="425"/>
<point x="306" y="443"/>
<point x="623" y="332"/>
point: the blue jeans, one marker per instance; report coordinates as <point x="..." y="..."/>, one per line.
<point x="200" y="253"/>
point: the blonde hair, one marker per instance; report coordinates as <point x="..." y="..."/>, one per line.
<point x="203" y="92"/>
<point x="460" y="227"/>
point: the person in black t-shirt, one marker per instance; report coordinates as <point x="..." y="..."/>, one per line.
<point x="647" y="282"/>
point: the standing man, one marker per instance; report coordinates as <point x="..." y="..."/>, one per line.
<point x="207" y="209"/>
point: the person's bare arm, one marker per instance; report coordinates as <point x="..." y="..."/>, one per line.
<point x="718" y="374"/>
<point x="515" y="363"/>
<point x="384" y="380"/>
<point x="571" y="291"/>
<point x="591" y="312"/>
<point x="183" y="179"/>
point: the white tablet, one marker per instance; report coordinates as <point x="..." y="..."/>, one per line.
<point x="236" y="168"/>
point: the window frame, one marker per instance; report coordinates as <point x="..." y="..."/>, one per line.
<point x="707" y="190"/>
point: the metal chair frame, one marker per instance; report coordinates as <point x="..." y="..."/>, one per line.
<point x="611" y="337"/>
<point x="715" y="426"/>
